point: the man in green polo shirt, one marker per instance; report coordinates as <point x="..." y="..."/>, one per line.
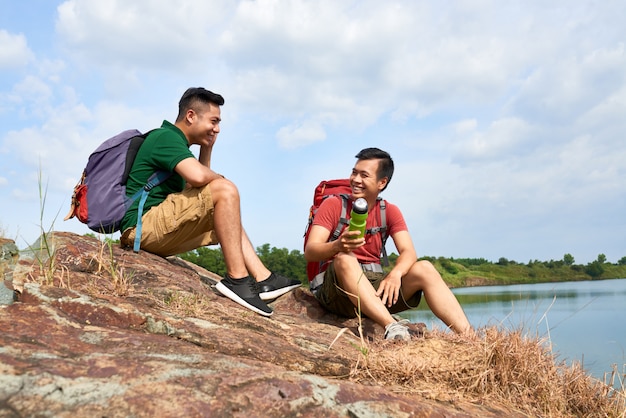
<point x="196" y="206"/>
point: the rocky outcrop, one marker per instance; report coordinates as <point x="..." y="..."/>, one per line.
<point x="100" y="331"/>
<point x="9" y="254"/>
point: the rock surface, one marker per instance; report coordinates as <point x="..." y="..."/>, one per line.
<point x="99" y="331"/>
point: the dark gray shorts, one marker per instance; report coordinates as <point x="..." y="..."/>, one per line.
<point x="334" y="299"/>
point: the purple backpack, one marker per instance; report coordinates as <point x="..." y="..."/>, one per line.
<point x="99" y="199"/>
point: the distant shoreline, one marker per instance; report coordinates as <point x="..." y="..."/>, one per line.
<point x="481" y="281"/>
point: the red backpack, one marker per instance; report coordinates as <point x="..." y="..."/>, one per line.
<point x="340" y="188"/>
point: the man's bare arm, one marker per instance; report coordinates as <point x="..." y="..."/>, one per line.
<point x="195" y="173"/>
<point x="205" y="156"/>
<point x="318" y="249"/>
<point x="407" y="254"/>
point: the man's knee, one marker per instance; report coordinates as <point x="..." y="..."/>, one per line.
<point x="423" y="271"/>
<point x="345" y="260"/>
<point x="223" y="189"/>
<point x="345" y="265"/>
<point x="425" y="267"/>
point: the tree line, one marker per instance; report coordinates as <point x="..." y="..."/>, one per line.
<point x="280" y="260"/>
<point x="594" y="269"/>
<point x="291" y="263"/>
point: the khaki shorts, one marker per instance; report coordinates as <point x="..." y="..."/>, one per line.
<point x="181" y="223"/>
<point x="334" y="299"/>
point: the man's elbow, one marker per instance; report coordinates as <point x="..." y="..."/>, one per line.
<point x="408" y="254"/>
<point x="307" y="256"/>
<point x="196" y="183"/>
<point x="198" y="180"/>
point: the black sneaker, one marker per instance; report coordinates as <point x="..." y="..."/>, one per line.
<point x="245" y="292"/>
<point x="276" y="285"/>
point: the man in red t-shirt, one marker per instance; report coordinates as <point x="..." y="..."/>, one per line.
<point x="353" y="280"/>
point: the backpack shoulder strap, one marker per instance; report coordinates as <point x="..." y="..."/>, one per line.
<point x="383" y="220"/>
<point x="382" y="229"/>
<point x="343" y="218"/>
<point x="131" y="154"/>
<point x="154" y="180"/>
<point x="384" y="232"/>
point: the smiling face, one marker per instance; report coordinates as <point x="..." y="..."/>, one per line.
<point x="202" y="124"/>
<point x="364" y="180"/>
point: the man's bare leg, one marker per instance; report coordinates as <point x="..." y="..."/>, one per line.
<point x="252" y="261"/>
<point x="442" y="302"/>
<point x="360" y="291"/>
<point x="227" y="224"/>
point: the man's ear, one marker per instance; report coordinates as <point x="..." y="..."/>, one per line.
<point x="190" y="115"/>
<point x="382" y="183"/>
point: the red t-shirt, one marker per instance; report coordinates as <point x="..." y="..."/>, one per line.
<point x="328" y="215"/>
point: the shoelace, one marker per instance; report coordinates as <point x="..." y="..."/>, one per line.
<point x="254" y="286"/>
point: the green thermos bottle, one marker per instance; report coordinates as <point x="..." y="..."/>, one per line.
<point x="358" y="216"/>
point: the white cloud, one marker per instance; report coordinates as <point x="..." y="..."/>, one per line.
<point x="34" y="94"/>
<point x="14" y="50"/>
<point x="302" y="134"/>
<point x="505" y="119"/>
<point x="503" y="138"/>
<point x="141" y="34"/>
<point x="465" y="126"/>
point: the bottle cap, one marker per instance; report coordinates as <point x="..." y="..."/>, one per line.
<point x="360" y="206"/>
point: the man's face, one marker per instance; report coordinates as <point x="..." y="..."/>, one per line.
<point x="364" y="179"/>
<point x="204" y="124"/>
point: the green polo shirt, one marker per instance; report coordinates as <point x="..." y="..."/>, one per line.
<point x="162" y="149"/>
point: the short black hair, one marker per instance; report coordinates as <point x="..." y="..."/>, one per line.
<point x="193" y="95"/>
<point x="385" y="164"/>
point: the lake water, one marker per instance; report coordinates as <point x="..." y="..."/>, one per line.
<point x="584" y="321"/>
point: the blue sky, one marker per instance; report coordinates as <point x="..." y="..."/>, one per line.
<point x="505" y="119"/>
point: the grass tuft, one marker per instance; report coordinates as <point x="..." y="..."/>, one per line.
<point x="186" y="304"/>
<point x="121" y="279"/>
<point x="43" y="251"/>
<point x="495" y="366"/>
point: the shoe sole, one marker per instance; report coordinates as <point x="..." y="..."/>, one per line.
<point x="278" y="292"/>
<point x="235" y="298"/>
<point x="397" y="338"/>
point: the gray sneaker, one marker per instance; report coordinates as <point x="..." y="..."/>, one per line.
<point x="398" y="331"/>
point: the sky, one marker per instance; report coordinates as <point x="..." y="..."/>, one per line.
<point x="506" y="120"/>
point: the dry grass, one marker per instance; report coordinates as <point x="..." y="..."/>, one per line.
<point x="185" y="304"/>
<point x="494" y="367"/>
<point x="121" y="283"/>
